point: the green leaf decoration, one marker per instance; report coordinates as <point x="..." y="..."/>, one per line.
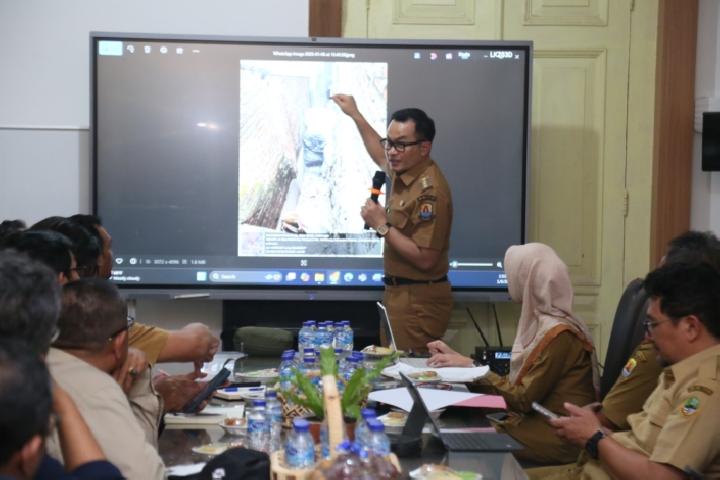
<point x="312" y="400"/>
<point x="328" y="365"/>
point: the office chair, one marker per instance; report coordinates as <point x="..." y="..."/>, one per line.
<point x="626" y="334"/>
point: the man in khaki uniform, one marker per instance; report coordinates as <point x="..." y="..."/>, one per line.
<point x="639" y="377"/>
<point x="678" y="429"/>
<point x="416" y="226"/>
<point x="85" y="361"/>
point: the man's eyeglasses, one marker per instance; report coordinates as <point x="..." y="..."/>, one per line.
<point x="651" y="324"/>
<point x="399" y="146"/>
<point x="130" y="323"/>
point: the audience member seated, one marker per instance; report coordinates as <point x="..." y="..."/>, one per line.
<point x="552" y="359"/>
<point x="192" y="343"/>
<point x="11" y="226"/>
<point x="677" y="433"/>
<point x="639" y="377"/>
<point x="85" y="247"/>
<point x="29" y="308"/>
<point x="91" y="349"/>
<point x="49" y="247"/>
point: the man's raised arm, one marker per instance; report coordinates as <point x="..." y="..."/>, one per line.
<point x="370" y="137"/>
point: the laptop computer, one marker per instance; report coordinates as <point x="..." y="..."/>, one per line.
<point x="460" y="441"/>
<point x="385" y="325"/>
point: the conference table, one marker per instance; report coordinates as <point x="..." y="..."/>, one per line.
<point x="177" y="441"/>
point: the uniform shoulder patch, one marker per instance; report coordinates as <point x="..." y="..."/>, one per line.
<point x="426" y="211"/>
<point x="629" y="367"/>
<point x="690" y="406"/>
<point x="700" y="388"/>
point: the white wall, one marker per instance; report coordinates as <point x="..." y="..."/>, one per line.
<point x="45" y="94"/>
<point x="705" y="214"/>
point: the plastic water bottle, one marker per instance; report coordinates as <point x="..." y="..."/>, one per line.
<point x="300" y="450"/>
<point x="258" y="427"/>
<point x="286" y="370"/>
<point x="274" y="416"/>
<point x="378" y="442"/>
<point x="306" y="336"/>
<point x="344" y="336"/>
<point x="323" y="338"/>
<point x="310" y="370"/>
<point x="330" y="326"/>
<point x="351" y="364"/>
<point x="362" y="431"/>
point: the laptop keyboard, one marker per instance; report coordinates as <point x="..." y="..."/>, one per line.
<point x="480" y="442"/>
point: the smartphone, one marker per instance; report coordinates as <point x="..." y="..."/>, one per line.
<point x="212" y="385"/>
<point x="544" y="411"/>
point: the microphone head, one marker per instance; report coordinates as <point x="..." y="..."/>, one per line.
<point x="378" y="179"/>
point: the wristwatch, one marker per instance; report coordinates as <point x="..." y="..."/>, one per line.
<point x="592" y="444"/>
<point x="382" y="230"/>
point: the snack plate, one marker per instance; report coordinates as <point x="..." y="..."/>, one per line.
<point x="429" y="377"/>
<point x="267" y="375"/>
<point x="236" y="429"/>
<point x="211" y="449"/>
<point x="370" y="352"/>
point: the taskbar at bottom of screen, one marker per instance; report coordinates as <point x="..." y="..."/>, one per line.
<point x="291" y="277"/>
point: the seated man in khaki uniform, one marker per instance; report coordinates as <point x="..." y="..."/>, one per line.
<point x="86" y="360"/>
<point x="678" y="430"/>
<point x="192" y="343"/>
<point x="639" y="377"/>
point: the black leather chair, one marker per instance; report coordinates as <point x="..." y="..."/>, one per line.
<point x="627" y="332"/>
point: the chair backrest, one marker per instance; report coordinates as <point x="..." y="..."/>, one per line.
<point x="626" y="334"/>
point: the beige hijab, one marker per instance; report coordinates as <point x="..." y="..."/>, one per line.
<point x="540" y="281"/>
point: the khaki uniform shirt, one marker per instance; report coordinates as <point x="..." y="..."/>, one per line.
<point x="636" y="382"/>
<point x="561" y="373"/>
<point x="149" y="339"/>
<point x="420" y="206"/>
<point x="680" y="423"/>
<point x="108" y="414"/>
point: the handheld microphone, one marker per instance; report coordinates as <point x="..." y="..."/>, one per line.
<point x="378" y="181"/>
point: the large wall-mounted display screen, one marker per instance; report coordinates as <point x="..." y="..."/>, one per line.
<point x="222" y="164"/>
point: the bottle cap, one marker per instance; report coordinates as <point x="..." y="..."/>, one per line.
<point x="270" y="394"/>
<point x="259" y="403"/>
<point x="375" y="425"/>
<point x="301" y="425"/>
<point x="368" y="413"/>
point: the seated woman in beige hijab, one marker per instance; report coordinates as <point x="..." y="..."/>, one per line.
<point x="553" y="359"/>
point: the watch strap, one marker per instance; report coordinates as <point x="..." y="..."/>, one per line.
<point x="591" y="446"/>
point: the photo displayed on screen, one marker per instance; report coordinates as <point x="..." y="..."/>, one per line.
<point x="298" y="170"/>
<point x="222" y="164"/>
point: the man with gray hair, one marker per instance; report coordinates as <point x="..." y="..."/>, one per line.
<point x="88" y="354"/>
<point x="29" y="308"/>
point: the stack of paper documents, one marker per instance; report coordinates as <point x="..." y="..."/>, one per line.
<point x="437" y="399"/>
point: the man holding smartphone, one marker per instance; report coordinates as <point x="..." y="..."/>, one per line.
<point x="677" y="433"/>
